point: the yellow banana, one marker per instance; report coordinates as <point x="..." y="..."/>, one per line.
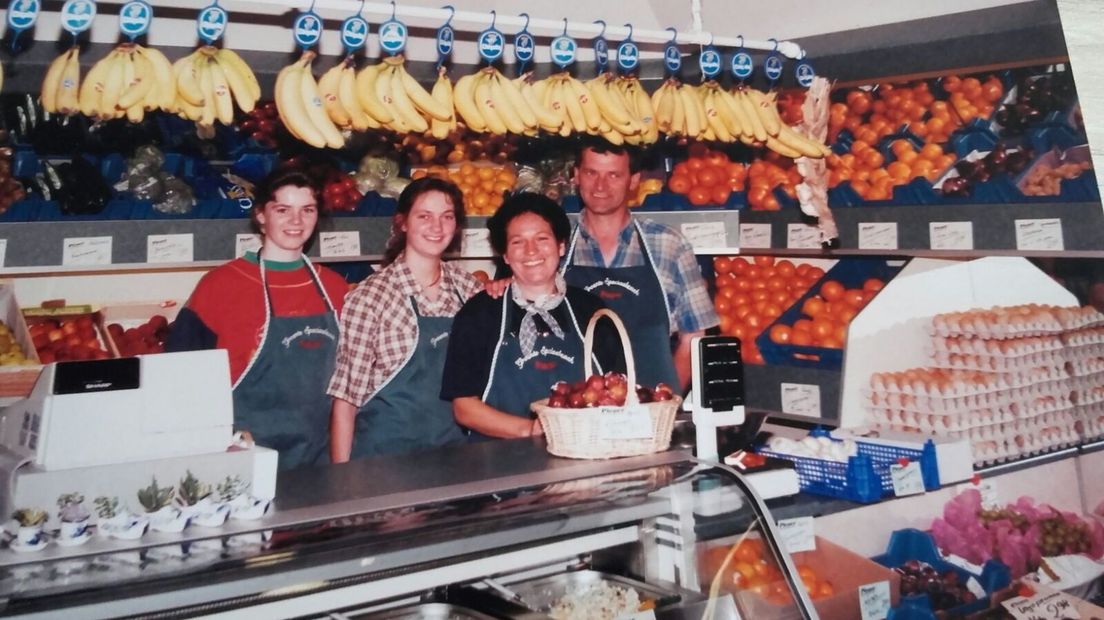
<point x="409" y="111"/>
<point x="91" y="88"/>
<point x="613" y="137"/>
<point x="289" y="103"/>
<point x="442" y="94"/>
<point x="52" y="82"/>
<point x="766" y="110"/>
<point x="113" y="83"/>
<point x="642" y="106"/>
<point x="663" y="104"/>
<point x="312" y="103"/>
<point x="547" y="119"/>
<point x="417" y="95"/>
<point x="757" y="130"/>
<point x="485" y="104"/>
<point x="713" y="116"/>
<point x="328" y="86"/>
<point x="366" y="94"/>
<point x="164" y="86"/>
<point x="187" y="83"/>
<point x="590" y="109"/>
<point x="385" y="87"/>
<point x="678" y="111"/>
<point x="240" y="89"/>
<point x="463" y="97"/>
<point x="780" y="147"/>
<point x="570" y="99"/>
<point x="803" y="145"/>
<point x="611" y="106"/>
<point x="207" y="86"/>
<point x="509" y="116"/>
<point x="690" y="110"/>
<point x="220" y="89"/>
<point x="517" y="102"/>
<point x="733" y="113"/>
<point x="230" y="58"/>
<point x="346" y="93"/>
<point x="134" y="94"/>
<point x="68" y="86"/>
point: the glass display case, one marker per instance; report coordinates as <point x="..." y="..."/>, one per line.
<point x="494" y="530"/>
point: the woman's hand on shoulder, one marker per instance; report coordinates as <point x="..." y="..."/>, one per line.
<point x="497" y="288"/>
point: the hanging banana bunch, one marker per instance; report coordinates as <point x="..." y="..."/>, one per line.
<point x="679" y="110"/>
<point x="490" y="102"/>
<point x="130" y="81"/>
<point x="339" y="97"/>
<point x="61" y="86"/>
<point x="299" y="102"/>
<point x="626" y="108"/>
<point x="768" y="127"/>
<point x="208" y="82"/>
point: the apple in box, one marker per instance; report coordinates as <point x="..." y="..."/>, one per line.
<point x="73" y="338"/>
<point x="610" y="389"/>
<point x="148" y="337"/>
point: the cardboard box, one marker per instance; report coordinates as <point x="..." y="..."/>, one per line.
<point x="845" y="570"/>
<point x="133" y="316"/>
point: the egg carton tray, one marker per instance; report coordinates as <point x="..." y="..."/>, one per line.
<point x="995" y="430"/>
<point x="997" y="363"/>
<point x="1010" y="347"/>
<point x="1047" y="320"/>
<point x="1091" y="368"/>
<point x="1082" y="337"/>
<point x="988" y="400"/>
<point x="965" y="420"/>
<point x="962" y="382"/>
<point x="988" y="451"/>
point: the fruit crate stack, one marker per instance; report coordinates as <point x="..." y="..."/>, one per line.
<point x="1014" y="380"/>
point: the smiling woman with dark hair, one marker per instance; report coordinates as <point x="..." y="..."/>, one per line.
<point x="276" y="315"/>
<point x="506" y="353"/>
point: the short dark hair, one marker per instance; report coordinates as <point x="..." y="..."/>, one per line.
<point x="527" y="202"/>
<point x="266" y="189"/>
<point x="599" y="144"/>
<point x="396" y="243"/>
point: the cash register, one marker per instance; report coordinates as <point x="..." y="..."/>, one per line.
<point x="106" y="427"/>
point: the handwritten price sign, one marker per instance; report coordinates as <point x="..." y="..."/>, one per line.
<point x="1054" y="606"/>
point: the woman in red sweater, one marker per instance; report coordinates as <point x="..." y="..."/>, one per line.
<point x="276" y="315"/>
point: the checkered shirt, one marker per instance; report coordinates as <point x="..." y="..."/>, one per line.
<point x="379" y="329"/>
<point x="673" y="256"/>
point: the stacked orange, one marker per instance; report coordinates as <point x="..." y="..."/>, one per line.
<point x="766" y="174"/>
<point x="707" y="177"/>
<point x="483" y="186"/>
<point x="826" y="315"/>
<point x="751" y="569"/>
<point x="873" y="179"/>
<point x="789" y="106"/>
<point x="752" y="294"/>
<point x="972" y="98"/>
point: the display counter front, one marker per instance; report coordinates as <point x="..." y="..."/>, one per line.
<point x="458" y="531"/>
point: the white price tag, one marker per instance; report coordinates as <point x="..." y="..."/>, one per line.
<point x="86" y="251"/>
<point x="623" y="423"/>
<point x="476" y="242"/>
<point x="3" y="251"/>
<point x="339" y="243"/>
<point x="705" y="235"/>
<point x="1054" y="606"/>
<point x="907" y="479"/>
<point x="802" y="237"/>
<point x="170" y="248"/>
<point x="878" y="235"/>
<point x="797" y="534"/>
<point x="951" y="235"/>
<point x="1040" y="234"/>
<point x="246" y="242"/>
<point x="755" y="236"/>
<point x="801" y="399"/>
<point x="975" y="588"/>
<point x="988" y="490"/>
<point x="874" y="600"/>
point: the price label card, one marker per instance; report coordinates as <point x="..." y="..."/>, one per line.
<point x="801" y="399"/>
<point x="797" y="534"/>
<point x="975" y="588"/>
<point x="907" y="479"/>
<point x="951" y="235"/>
<point x="878" y="235"/>
<point x="1040" y="234"/>
<point x="988" y="490"/>
<point x="802" y="237"/>
<point x="705" y="235"/>
<point x="1054" y="606"/>
<point x="3" y="251"/>
<point x="874" y="600"/>
<point x="755" y="236"/>
<point x="170" y="248"/>
<point x="339" y="243"/>
<point x="246" y="242"/>
<point x="476" y="242"/>
<point x="622" y="423"/>
<point x="79" y="251"/>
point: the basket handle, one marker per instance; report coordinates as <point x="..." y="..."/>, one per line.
<point x="626" y="346"/>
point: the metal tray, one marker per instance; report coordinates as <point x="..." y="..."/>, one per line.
<point x="543" y="593"/>
<point x="425" y="611"/>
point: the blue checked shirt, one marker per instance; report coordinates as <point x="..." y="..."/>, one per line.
<point x="677" y="267"/>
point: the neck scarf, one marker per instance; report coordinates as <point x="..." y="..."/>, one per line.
<point x="541" y="306"/>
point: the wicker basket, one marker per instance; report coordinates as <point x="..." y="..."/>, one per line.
<point x="582" y="433"/>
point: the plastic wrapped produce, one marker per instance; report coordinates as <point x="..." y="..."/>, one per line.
<point x="177" y="197"/>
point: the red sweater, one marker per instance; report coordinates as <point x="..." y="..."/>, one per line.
<point x="227" y="308"/>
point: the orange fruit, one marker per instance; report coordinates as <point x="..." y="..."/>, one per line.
<point x="900" y="169"/>
<point x="831" y="290"/>
<point x="781" y="334"/>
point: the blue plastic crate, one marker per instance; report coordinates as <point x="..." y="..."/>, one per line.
<point x="912" y="544"/>
<point x="23" y="211"/>
<point x="865" y="477"/>
<point x="851" y="273"/>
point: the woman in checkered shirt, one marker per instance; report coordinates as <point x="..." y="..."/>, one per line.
<point x="395" y="330"/>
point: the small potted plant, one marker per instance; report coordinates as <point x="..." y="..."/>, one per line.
<point x="74" y="519"/>
<point x="30" y="536"/>
<point x="235" y="492"/>
<point x="163" y="516"/>
<point x="197" y="500"/>
<point x="117" y="521"/>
